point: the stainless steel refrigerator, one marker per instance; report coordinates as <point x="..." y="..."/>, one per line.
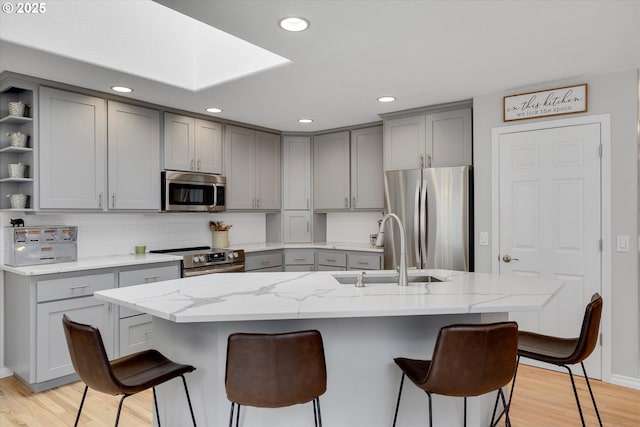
<point x="435" y="207"/>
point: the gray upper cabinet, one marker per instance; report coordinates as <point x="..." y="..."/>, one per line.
<point x="367" y="176"/>
<point x="296" y="172"/>
<point x="348" y="170"/>
<point x="433" y="140"/>
<point x="450" y="135"/>
<point x="134" y="157"/>
<point x="252" y="167"/>
<point x="331" y="171"/>
<point x="73" y="150"/>
<point x="192" y="144"/>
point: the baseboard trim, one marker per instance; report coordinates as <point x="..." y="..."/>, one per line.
<point x="628" y="382"/>
<point x="5" y="372"/>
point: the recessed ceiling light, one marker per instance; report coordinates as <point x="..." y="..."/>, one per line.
<point x="294" y="23"/>
<point x="214" y="110"/>
<point x="122" y="89"/>
<point x="386" y="99"/>
<point x="305" y="121"/>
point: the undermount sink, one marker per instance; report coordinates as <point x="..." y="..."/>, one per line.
<point x="389" y="278"/>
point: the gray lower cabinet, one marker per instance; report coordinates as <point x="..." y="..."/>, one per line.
<point x="263" y="261"/>
<point x="35" y="346"/>
<point x="364" y="261"/>
<point x="135" y="330"/>
<point x="338" y="260"/>
<point x="299" y="259"/>
<point x="329" y="260"/>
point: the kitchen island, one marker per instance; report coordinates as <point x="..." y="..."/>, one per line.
<point x="363" y="329"/>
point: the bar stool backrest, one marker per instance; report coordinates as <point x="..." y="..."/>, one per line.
<point x="275" y="370"/>
<point x="589" y="332"/>
<point x="89" y="357"/>
<point x="473" y="359"/>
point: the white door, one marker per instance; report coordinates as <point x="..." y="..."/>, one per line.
<point x="550" y="221"/>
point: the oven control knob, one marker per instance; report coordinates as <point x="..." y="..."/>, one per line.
<point x="195" y="259"/>
<point x="231" y="255"/>
<point x="201" y="258"/>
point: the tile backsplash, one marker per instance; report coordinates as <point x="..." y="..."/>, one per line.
<point x="116" y="234"/>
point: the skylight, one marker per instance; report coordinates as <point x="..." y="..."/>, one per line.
<point x="142" y="38"/>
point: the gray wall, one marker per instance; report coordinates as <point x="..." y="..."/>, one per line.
<point x="616" y="94"/>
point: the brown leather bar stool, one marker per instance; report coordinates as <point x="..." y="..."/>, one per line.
<point x="126" y="376"/>
<point x="275" y="370"/>
<point x="565" y="351"/>
<point x="468" y="360"/>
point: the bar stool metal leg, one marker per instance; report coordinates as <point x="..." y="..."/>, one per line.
<point x="593" y="399"/>
<point x="124" y="396"/>
<point x="575" y="393"/>
<point x="155" y="403"/>
<point x="395" y="415"/>
<point x="186" y="391"/>
<point x="430" y="410"/>
<point x="81" y="404"/>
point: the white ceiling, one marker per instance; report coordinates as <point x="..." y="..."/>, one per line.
<point x="422" y="52"/>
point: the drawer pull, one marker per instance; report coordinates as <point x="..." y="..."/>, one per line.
<point x="299" y="259"/>
<point x="363" y="262"/>
<point x="147" y="333"/>
<point x="151" y="279"/>
<point x="265" y="262"/>
<point x="331" y="259"/>
<point x="73" y="288"/>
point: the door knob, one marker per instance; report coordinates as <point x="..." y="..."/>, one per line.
<point x="507" y="258"/>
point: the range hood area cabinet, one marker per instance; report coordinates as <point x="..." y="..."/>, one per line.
<point x="438" y="139"/>
<point x="348" y="171"/>
<point x="252" y="167"/>
<point x="74" y="151"/>
<point x="191" y="144"/>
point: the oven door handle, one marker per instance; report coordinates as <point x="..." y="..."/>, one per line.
<point x="228" y="269"/>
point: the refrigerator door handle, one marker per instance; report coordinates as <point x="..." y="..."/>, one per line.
<point x="424" y="227"/>
<point x="416" y="223"/>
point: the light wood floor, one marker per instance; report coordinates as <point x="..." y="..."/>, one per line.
<point x="542" y="399"/>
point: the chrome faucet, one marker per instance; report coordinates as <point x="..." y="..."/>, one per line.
<point x="403" y="277"/>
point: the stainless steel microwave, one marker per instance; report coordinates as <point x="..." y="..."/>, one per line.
<point x="193" y="192"/>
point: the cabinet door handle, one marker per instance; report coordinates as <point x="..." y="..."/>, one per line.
<point x="113" y="200"/>
<point x="151" y="279"/>
<point x="198" y="165"/>
<point x="421" y="161"/>
<point x="346" y="202"/>
<point x="191" y="164"/>
<point x="257" y="203"/>
<point x="354" y="203"/>
<point x="299" y="259"/>
<point x="429" y="160"/>
<point x="73" y="288"/>
<point x="100" y="200"/>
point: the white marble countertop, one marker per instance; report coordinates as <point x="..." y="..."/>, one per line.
<point x="90" y="263"/>
<point x="267" y="296"/>
<point x="109" y="261"/>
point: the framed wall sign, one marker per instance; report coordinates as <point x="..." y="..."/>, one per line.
<point x="552" y="102"/>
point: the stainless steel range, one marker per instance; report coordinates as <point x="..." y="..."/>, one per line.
<point x="201" y="260"/>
